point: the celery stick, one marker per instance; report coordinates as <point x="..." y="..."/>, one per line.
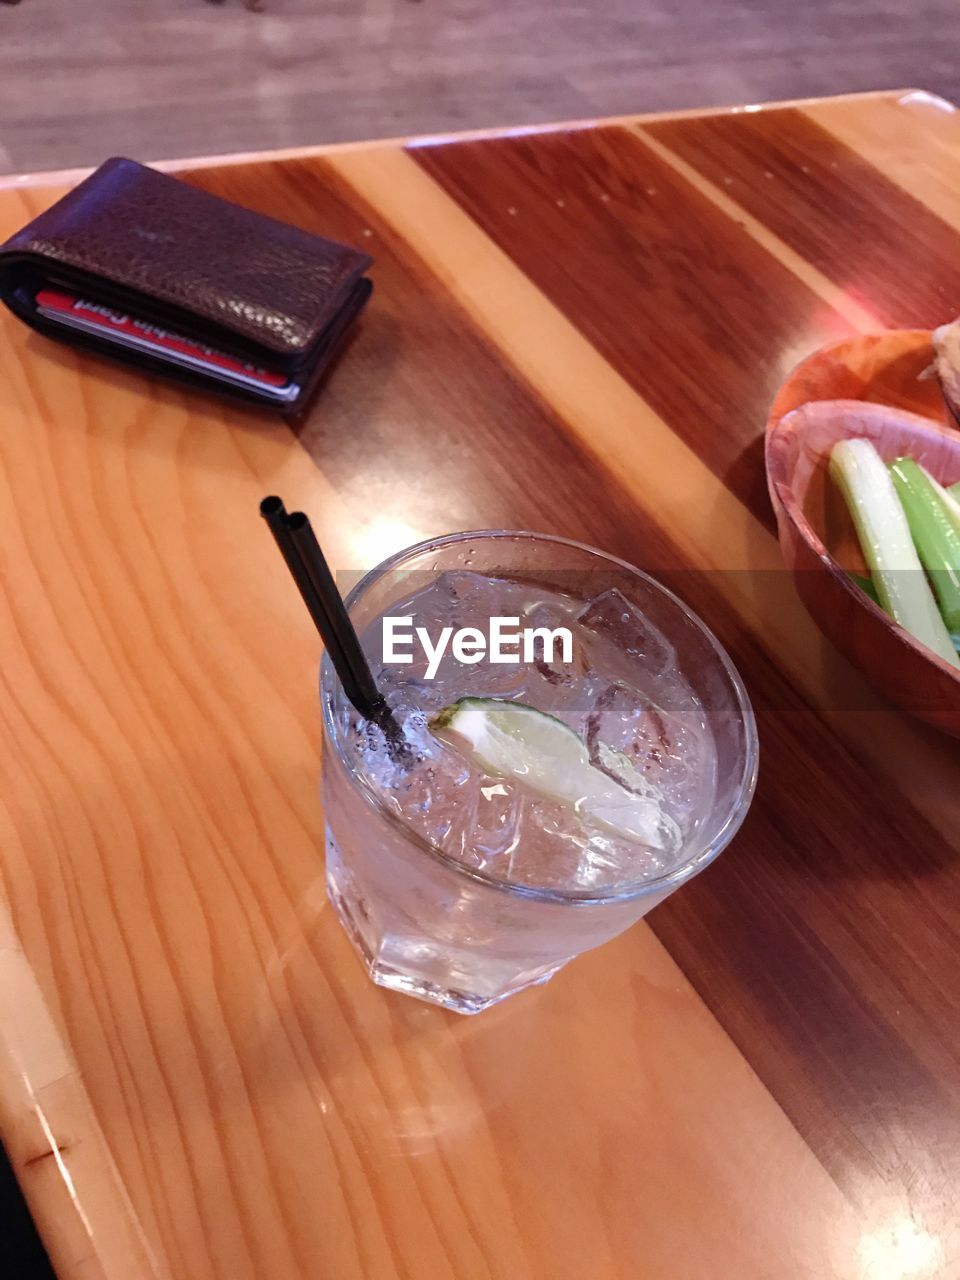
<point x="949" y="502"/>
<point x="936" y="539"/>
<point x="865" y="585"/>
<point x="884" y="534"/>
<point x="954" y="490"/>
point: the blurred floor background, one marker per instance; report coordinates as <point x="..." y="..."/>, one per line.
<point x="81" y="79"/>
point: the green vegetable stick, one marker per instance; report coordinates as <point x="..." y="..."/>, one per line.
<point x="954" y="490"/>
<point x="947" y="499"/>
<point x="865" y="585"/>
<point x="884" y="534"/>
<point x="934" y="535"/>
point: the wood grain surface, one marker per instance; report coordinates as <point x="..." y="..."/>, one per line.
<point x="578" y="331"/>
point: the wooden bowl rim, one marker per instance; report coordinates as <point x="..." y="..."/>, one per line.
<point x="794" y="512"/>
<point x="831" y="348"/>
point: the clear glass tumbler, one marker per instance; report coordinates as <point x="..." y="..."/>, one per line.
<point x="428" y="925"/>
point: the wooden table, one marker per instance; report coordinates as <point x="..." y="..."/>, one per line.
<point x="577" y="330"/>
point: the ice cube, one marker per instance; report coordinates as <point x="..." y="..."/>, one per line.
<point x="550" y="848"/>
<point x="631" y="738"/>
<point x="495" y="827"/>
<point x="549" y="651"/>
<point x="566" y="690"/>
<point x="622" y="720"/>
<point x="616" y="620"/>
<point x="454" y="599"/>
<point x="605" y="861"/>
<point x="469" y="599"/>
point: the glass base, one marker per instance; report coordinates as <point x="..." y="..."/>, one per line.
<point x="420" y="988"/>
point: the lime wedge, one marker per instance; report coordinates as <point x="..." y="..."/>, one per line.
<point x="544" y="756"/>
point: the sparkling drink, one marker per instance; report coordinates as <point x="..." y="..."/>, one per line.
<point x="456" y="881"/>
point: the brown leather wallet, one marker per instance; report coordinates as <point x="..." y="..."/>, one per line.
<point x="149" y="270"/>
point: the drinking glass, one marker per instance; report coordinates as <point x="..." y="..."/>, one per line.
<point x="464" y="937"/>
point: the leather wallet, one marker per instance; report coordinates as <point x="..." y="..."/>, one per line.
<point x="145" y="268"/>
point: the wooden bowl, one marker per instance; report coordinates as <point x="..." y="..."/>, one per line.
<point x="883" y="368"/>
<point x="819" y="544"/>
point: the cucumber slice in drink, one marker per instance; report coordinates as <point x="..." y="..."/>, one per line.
<point x="542" y="755"/>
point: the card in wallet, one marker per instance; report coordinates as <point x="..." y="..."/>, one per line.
<point x="162" y="275"/>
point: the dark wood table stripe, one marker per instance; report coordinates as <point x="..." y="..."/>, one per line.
<point x="804" y="942"/>
<point x="864" y="231"/>
<point x="425" y="405"/>
<point x="683" y="303"/>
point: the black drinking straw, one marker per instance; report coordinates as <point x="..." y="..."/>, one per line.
<point x="299" y="547"/>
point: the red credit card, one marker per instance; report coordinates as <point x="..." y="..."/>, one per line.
<point x="126" y="330"/>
